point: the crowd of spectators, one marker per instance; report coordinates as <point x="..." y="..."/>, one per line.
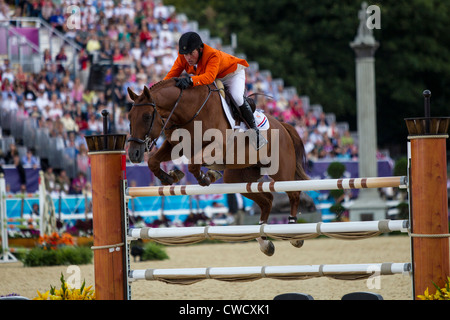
<point x="141" y="38"/>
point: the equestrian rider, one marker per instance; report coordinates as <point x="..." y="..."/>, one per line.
<point x="207" y="64"/>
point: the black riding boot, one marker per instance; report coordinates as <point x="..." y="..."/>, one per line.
<point x="247" y="113"/>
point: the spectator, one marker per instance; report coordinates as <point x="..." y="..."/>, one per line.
<point x="53" y="76"/>
<point x="50" y="180"/>
<point x="61" y="60"/>
<point x="310" y="120"/>
<point x="69" y="123"/>
<point x="47" y="10"/>
<point x="81" y="123"/>
<point x="347" y="139"/>
<point x="22" y="113"/>
<point x="36" y="115"/>
<point x="41" y="100"/>
<point x="8" y="74"/>
<point x="48" y="61"/>
<point x="315" y="136"/>
<point x="34" y="8"/>
<point x="95" y="126"/>
<point x="12" y="152"/>
<point x="63" y="183"/>
<point x="30" y="159"/>
<point x="83" y="60"/>
<point x="57" y="19"/>
<point x="6" y="65"/>
<point x="81" y="36"/>
<point x="9" y="104"/>
<point x="322" y="126"/>
<point x="117" y="55"/>
<point x="161" y="12"/>
<point x="83" y="160"/>
<point x="21" y="171"/>
<point x="93" y="44"/>
<point x="20" y="76"/>
<point x="56" y="113"/>
<point x="77" y="91"/>
<point x="7" y="88"/>
<point x="78" y="183"/>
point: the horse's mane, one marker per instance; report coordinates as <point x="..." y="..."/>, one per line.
<point x="159" y="84"/>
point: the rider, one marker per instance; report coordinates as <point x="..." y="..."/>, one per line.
<point x="205" y="64"/>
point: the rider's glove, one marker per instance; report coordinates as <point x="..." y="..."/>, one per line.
<point x="183" y="83"/>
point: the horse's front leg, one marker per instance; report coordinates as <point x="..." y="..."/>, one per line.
<point x="154" y="164"/>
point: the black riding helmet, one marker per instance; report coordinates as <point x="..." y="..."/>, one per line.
<point x="189" y="42"/>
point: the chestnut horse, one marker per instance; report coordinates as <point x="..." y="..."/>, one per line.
<point x="164" y="108"/>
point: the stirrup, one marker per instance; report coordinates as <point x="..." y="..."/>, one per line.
<point x="257" y="139"/>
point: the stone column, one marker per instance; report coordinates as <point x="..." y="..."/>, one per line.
<point x="365" y="46"/>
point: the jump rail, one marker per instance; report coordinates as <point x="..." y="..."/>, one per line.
<point x="335" y="271"/>
<point x="278" y="186"/>
<point x="342" y="230"/>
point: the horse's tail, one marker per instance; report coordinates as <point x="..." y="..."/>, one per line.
<point x="300" y="152"/>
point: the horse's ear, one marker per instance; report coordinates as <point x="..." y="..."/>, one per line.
<point x="133" y="95"/>
<point x="147" y="92"/>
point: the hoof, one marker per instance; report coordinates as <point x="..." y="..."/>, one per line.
<point x="166" y="180"/>
<point x="214" y="175"/>
<point x="176" y="175"/>
<point x="204" y="180"/>
<point x="297" y="243"/>
<point x="268" y="248"/>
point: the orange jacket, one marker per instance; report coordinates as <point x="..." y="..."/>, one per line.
<point x="212" y="64"/>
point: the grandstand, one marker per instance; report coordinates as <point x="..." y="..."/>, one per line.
<point x="62" y="62"/>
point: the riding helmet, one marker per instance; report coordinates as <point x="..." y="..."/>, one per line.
<point x="189" y="42"/>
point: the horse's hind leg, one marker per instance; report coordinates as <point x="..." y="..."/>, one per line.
<point x="263" y="200"/>
<point x="294" y="200"/>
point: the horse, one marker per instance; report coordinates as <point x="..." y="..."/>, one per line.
<point x="164" y="108"/>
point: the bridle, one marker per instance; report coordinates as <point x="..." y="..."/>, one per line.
<point x="148" y="142"/>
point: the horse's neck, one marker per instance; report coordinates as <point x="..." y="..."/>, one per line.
<point x="192" y="100"/>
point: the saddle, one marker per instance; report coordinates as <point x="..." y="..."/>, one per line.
<point x="237" y="116"/>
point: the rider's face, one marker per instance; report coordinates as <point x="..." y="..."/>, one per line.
<point x="192" y="57"/>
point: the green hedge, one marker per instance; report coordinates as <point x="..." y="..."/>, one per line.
<point x="154" y="251"/>
<point x="62" y="256"/>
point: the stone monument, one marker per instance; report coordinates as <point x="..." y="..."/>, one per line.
<point x="368" y="206"/>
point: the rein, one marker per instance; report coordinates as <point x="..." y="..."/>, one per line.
<point x="197" y="113"/>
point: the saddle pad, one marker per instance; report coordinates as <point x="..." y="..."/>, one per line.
<point x="260" y="119"/>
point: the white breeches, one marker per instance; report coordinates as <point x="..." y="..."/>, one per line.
<point x="235" y="83"/>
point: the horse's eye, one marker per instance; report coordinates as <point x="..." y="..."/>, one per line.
<point x="147" y="117"/>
